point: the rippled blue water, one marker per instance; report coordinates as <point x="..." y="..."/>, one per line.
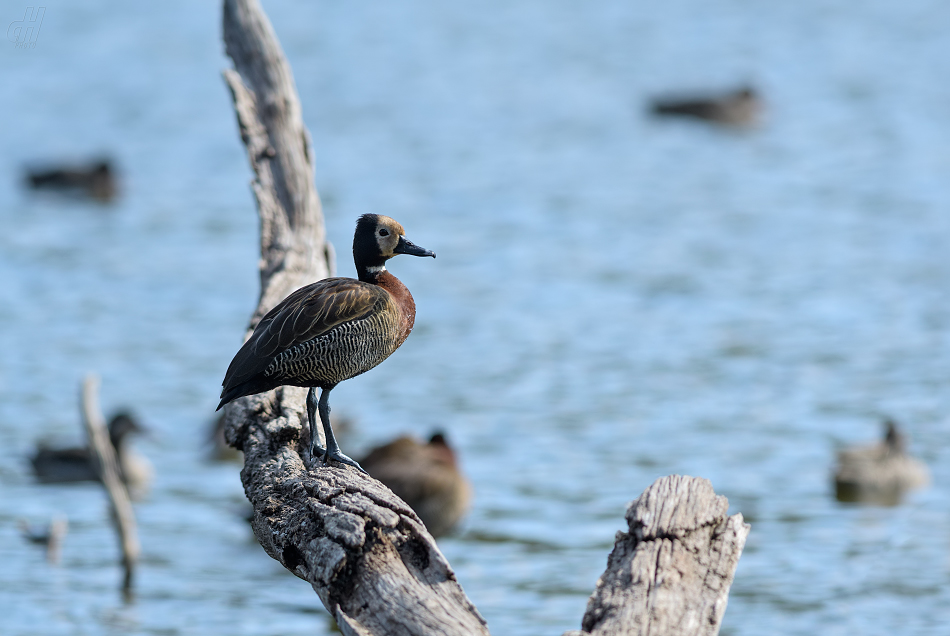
<point x="616" y="298"/>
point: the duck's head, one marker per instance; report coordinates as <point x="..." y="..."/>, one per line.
<point x="439" y="445"/>
<point x="894" y="438"/>
<point x="377" y="239"/>
<point x="121" y="425"/>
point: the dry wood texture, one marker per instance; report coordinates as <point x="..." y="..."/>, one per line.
<point x="671" y="572"/>
<point x="364" y="551"/>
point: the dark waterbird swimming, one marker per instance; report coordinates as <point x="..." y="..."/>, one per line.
<point x="741" y="107"/>
<point x="60" y="465"/>
<point x="95" y="180"/>
<point x="331" y="330"/>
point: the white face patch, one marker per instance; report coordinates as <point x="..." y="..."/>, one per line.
<point x="387" y="242"/>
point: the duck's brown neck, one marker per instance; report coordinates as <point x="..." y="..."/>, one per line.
<point x="400" y="294"/>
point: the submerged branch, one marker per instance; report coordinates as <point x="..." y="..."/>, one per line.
<point x="103" y="456"/>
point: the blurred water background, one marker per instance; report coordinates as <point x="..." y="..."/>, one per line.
<point x="616" y="298"/>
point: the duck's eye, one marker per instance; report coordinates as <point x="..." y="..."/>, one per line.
<point x="384" y="232"/>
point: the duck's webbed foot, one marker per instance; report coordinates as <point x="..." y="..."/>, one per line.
<point x="337" y="456"/>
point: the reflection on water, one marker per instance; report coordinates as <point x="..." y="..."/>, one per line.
<point x="616" y="297"/>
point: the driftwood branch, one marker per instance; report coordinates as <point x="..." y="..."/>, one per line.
<point x="365" y="552"/>
<point x="107" y="465"/>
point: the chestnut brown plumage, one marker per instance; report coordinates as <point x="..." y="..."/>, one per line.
<point x="331" y="330"/>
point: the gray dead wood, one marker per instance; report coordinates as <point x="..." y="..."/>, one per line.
<point x="670" y="573"/>
<point x="366" y="554"/>
<point x="107" y="466"/>
<point x="294" y="247"/>
<point x="364" y="551"/>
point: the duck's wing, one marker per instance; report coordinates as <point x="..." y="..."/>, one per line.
<point x="308" y="313"/>
<point x="52" y="465"/>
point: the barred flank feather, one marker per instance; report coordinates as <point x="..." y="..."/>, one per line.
<point x="320" y="335"/>
<point x="344" y="352"/>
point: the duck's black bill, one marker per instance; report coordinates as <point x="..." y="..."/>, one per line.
<point x="407" y="247"/>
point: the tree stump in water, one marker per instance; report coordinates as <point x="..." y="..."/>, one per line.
<point x="671" y="572"/>
<point x="365" y="552"/>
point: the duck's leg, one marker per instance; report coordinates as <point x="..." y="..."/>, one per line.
<point x="315" y="449"/>
<point x="333" y="449"/>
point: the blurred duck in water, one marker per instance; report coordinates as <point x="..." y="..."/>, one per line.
<point x="62" y="465"/>
<point x="96" y="180"/>
<point x="879" y="473"/>
<point x="48" y="535"/>
<point x="425" y="476"/>
<point x="219" y="450"/>
<point x="742" y="107"/>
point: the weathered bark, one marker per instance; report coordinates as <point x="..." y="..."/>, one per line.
<point x="365" y="552"/>
<point x="106" y="463"/>
<point x="294" y="248"/>
<point x="671" y="573"/>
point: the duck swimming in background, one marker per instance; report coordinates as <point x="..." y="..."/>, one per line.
<point x="425" y="476"/>
<point x="96" y="180"/>
<point x="49" y="535"/>
<point x="879" y="473"/>
<point x="218" y="448"/>
<point x="331" y="330"/>
<point x="63" y="465"/>
<point x="741" y="107"/>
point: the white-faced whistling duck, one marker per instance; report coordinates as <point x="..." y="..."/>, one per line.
<point x="59" y="465"/>
<point x="879" y="473"/>
<point x="741" y="107"/>
<point x="425" y="476"/>
<point x="331" y="330"/>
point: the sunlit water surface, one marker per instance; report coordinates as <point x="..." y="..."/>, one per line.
<point x="615" y="298"/>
